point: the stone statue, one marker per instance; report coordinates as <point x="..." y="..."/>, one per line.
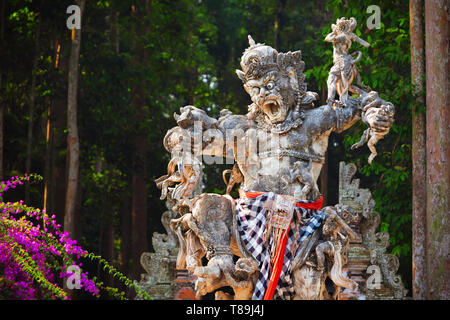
<point x="302" y="173"/>
<point x="369" y="115"/>
<point x="344" y="70"/>
<point x="274" y="241"/>
<point x="188" y="175"/>
<point x="235" y="177"/>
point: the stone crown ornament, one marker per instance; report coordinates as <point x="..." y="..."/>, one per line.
<point x="344" y="25"/>
<point x="259" y="59"/>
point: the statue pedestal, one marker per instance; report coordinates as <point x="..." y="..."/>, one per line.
<point x="183" y="285"/>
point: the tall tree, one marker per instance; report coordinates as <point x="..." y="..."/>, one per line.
<point x="418" y="150"/>
<point x="73" y="143"/>
<point x="277" y="26"/>
<point x="2" y="108"/>
<point x="32" y="103"/>
<point x="49" y="161"/>
<point x="58" y="183"/>
<point x="139" y="172"/>
<point x="438" y="148"/>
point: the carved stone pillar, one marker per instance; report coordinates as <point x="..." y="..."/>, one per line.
<point x="368" y="264"/>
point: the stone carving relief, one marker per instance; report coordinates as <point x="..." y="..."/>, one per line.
<point x="159" y="265"/>
<point x="370" y="249"/>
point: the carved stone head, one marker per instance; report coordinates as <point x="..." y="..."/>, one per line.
<point x="274" y="81"/>
<point x="344" y="26"/>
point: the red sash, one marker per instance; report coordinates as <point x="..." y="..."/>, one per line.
<point x="316" y="205"/>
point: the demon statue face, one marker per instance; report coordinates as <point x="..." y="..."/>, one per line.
<point x="275" y="83"/>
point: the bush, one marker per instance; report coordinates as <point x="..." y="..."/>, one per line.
<point x="36" y="256"/>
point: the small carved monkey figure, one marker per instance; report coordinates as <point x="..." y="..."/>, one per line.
<point x="187" y="175"/>
<point x="235" y="177"/>
<point x="337" y="233"/>
<point x="369" y="115"/>
<point x="302" y="174"/>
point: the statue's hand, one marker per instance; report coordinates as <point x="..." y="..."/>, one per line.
<point x="189" y="115"/>
<point x="381" y="124"/>
<point x="379" y="114"/>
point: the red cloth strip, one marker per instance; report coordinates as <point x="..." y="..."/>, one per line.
<point x="279" y="256"/>
<point x="251" y="195"/>
<point x="316" y="205"/>
<point x="277" y="266"/>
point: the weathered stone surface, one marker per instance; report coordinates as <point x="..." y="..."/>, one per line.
<point x="160" y="265"/>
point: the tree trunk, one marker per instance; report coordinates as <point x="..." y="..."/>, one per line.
<point x="50" y="156"/>
<point x="418" y="151"/>
<point x="73" y="144"/>
<point x="277" y="24"/>
<point x="32" y="107"/>
<point x="139" y="196"/>
<point x="139" y="208"/>
<point x="57" y="192"/>
<point x="108" y="246"/>
<point x="438" y="152"/>
<point x="125" y="245"/>
<point x="106" y="230"/>
<point x="2" y="112"/>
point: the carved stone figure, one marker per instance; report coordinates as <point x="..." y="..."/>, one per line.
<point x="235" y="177"/>
<point x="344" y="70"/>
<point x="274" y="241"/>
<point x="360" y="258"/>
<point x="190" y="114"/>
<point x="302" y="173"/>
<point x="188" y="175"/>
<point x="159" y="264"/>
<point x="211" y="224"/>
<point x="369" y="114"/>
<point x="367" y="260"/>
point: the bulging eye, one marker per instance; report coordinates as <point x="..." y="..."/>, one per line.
<point x="270" y="86"/>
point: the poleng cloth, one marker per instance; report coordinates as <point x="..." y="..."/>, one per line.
<point x="251" y="214"/>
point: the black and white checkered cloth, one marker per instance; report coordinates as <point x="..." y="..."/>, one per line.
<point x="251" y="219"/>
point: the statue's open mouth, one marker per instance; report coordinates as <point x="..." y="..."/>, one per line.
<point x="272" y="109"/>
